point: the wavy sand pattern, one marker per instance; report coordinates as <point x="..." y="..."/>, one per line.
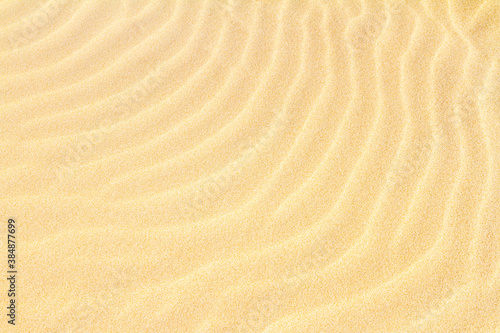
<point x="252" y="166"/>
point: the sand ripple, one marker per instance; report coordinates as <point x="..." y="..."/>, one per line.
<point x="253" y="166"/>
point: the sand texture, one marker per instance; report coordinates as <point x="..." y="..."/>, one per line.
<point x="224" y="166"/>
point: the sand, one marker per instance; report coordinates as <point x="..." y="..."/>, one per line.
<point x="250" y="166"/>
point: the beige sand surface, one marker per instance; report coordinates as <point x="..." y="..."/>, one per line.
<point x="228" y="166"/>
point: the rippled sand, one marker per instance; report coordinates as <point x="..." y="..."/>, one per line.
<point x="252" y="166"/>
